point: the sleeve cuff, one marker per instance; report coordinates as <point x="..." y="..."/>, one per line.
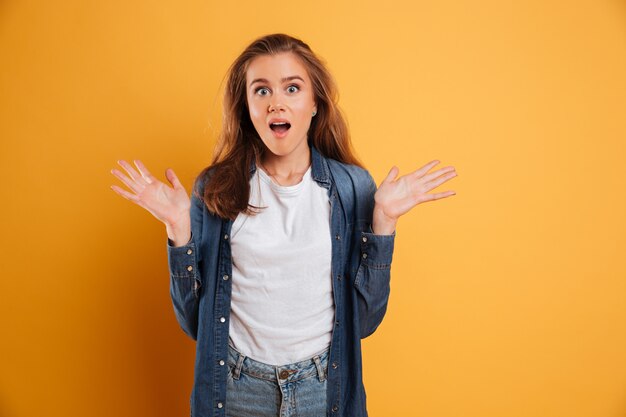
<point x="377" y="250"/>
<point x="182" y="259"/>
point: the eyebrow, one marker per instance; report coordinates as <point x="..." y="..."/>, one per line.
<point x="263" y="80"/>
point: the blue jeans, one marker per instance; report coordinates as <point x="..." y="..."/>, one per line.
<point x="256" y="389"/>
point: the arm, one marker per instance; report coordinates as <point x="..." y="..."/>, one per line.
<point x="184" y="267"/>
<point x="372" y="280"/>
<point x="373" y="274"/>
<point x="394" y="198"/>
<point x="183" y="222"/>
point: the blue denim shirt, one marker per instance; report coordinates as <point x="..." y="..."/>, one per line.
<point x="200" y="287"/>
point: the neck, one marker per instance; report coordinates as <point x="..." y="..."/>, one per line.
<point x="286" y="170"/>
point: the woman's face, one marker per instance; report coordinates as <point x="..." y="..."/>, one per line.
<point x="281" y="102"/>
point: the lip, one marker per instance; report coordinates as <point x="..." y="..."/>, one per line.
<point x="278" y="120"/>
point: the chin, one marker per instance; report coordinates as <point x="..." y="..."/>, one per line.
<point x="281" y="147"/>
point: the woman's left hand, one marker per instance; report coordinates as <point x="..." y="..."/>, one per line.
<point x="396" y="197"/>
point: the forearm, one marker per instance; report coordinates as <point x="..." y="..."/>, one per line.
<point x="372" y="279"/>
<point x="185" y="285"/>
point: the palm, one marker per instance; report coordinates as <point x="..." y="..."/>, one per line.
<point x="168" y="204"/>
<point x="396" y="197"/>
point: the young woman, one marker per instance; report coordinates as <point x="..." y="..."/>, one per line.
<point x="279" y="262"/>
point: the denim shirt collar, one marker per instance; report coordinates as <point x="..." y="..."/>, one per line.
<point x="319" y="167"/>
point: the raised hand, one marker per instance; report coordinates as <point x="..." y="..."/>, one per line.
<point x="396" y="197"/>
<point x="168" y="204"/>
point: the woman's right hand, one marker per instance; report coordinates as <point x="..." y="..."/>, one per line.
<point x="167" y="204"/>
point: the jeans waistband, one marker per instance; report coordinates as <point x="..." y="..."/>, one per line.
<point x="318" y="364"/>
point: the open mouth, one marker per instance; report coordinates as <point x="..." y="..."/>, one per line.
<point x="280" y="127"/>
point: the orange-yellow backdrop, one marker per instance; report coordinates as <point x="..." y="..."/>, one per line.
<point x="508" y="299"/>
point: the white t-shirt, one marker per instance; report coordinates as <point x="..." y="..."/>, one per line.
<point x="282" y="308"/>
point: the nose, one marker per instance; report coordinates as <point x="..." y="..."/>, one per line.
<point x="276" y="103"/>
<point x="275" y="107"/>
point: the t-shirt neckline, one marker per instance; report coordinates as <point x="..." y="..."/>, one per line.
<point x="284" y="188"/>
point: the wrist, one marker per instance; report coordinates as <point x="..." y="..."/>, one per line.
<point x="382" y="224"/>
<point x="179" y="234"/>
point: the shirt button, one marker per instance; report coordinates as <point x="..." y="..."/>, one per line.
<point x="220" y="405"/>
<point x="339" y="277"/>
<point x="222" y="319"/>
<point x="337" y="322"/>
<point x="189" y="251"/>
<point x="335" y="365"/>
<point x="190" y="268"/>
<point x="364" y="255"/>
<point x="364" y="239"/>
<point x="225" y="277"/>
<point x="222" y="363"/>
<point x="225" y="237"/>
<point x="338" y="237"/>
<point x="335" y="408"/>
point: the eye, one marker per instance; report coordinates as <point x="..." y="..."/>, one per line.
<point x="262" y="91"/>
<point x="293" y="88"/>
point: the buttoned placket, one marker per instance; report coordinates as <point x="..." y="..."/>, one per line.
<point x="334" y="380"/>
<point x="222" y="312"/>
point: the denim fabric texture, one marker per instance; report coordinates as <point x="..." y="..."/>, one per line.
<point x="256" y="389"/>
<point x="200" y="288"/>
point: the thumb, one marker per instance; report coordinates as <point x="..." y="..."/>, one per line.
<point x="172" y="178"/>
<point x="392" y="175"/>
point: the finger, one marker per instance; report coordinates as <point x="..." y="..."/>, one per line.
<point x="440" y="180"/>
<point x="131" y="172"/>
<point x="421" y="171"/>
<point x="393" y="173"/>
<point x="144" y="171"/>
<point x="437" y="196"/>
<point x="137" y="188"/>
<point x="125" y="194"/>
<point x="172" y="178"/>
<point x="436" y="174"/>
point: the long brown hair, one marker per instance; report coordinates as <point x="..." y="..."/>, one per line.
<point x="227" y="180"/>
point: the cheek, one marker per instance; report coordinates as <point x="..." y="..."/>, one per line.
<point x="256" y="112"/>
<point x="303" y="108"/>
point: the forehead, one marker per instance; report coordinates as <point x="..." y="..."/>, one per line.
<point x="275" y="67"/>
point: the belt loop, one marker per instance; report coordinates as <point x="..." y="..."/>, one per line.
<point x="320" y="371"/>
<point x="237" y="370"/>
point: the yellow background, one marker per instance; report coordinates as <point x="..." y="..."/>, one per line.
<point x="508" y="299"/>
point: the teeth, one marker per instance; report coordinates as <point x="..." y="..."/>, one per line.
<point x="279" y="123"/>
